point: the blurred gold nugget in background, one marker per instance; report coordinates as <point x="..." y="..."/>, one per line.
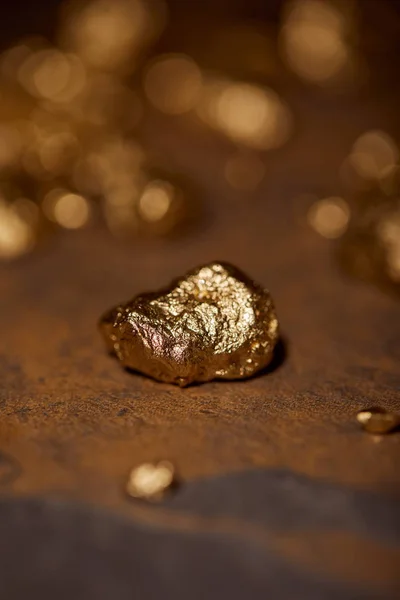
<point x="77" y="118"/>
<point x="72" y="113"/>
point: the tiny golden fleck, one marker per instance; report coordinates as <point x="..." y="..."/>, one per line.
<point x="177" y="336"/>
<point x="150" y="481"/>
<point x="377" y="420"/>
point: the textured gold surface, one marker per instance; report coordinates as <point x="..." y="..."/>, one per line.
<point x="150" y="481"/>
<point x="215" y="323"/>
<point x="378" y="420"/>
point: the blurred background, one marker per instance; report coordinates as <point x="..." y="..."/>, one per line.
<point x="131" y="114"/>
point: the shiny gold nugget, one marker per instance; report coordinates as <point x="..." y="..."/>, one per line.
<point x="215" y="323"/>
<point x="378" y="420"/>
<point x="150" y="481"/>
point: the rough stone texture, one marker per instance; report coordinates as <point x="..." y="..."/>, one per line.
<point x="215" y="323"/>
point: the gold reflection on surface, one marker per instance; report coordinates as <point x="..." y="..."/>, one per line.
<point x="374" y="155"/>
<point x="17" y="235"/>
<point x="150" y="481"/>
<point x="313" y="39"/>
<point x="244" y="171"/>
<point x="173" y="83"/>
<point x="68" y="210"/>
<point x="329" y="217"/>
<point x="246" y="113"/>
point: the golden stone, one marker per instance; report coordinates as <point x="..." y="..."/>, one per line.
<point x="215" y="323"/>
<point x="377" y="420"/>
<point x="150" y="481"/>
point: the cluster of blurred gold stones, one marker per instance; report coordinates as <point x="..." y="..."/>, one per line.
<point x="71" y="110"/>
<point x="368" y="222"/>
<point x="68" y="119"/>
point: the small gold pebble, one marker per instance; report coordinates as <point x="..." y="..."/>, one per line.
<point x="378" y="420"/>
<point x="214" y="323"/>
<point x="150" y="481"/>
